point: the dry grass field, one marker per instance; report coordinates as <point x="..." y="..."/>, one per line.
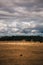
<point x="21" y="53"/>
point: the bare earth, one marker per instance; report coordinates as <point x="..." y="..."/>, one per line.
<point x="21" y="53"/>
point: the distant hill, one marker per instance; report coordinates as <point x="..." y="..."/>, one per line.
<point x="19" y="38"/>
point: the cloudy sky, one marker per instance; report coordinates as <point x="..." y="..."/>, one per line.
<point x="21" y="17"/>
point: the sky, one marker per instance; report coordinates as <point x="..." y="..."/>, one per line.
<point x="21" y="17"/>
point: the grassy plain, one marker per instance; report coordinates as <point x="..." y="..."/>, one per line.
<point x="21" y="53"/>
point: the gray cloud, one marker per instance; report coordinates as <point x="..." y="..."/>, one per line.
<point x="21" y="16"/>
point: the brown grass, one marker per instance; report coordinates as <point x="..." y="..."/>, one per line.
<point x="21" y="53"/>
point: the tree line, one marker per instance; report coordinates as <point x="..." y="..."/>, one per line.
<point x="19" y="38"/>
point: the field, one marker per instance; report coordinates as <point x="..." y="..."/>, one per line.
<point x="21" y="53"/>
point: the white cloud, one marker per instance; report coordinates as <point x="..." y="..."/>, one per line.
<point x="3" y="26"/>
<point x="35" y="31"/>
<point x="14" y="30"/>
<point x="13" y="24"/>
